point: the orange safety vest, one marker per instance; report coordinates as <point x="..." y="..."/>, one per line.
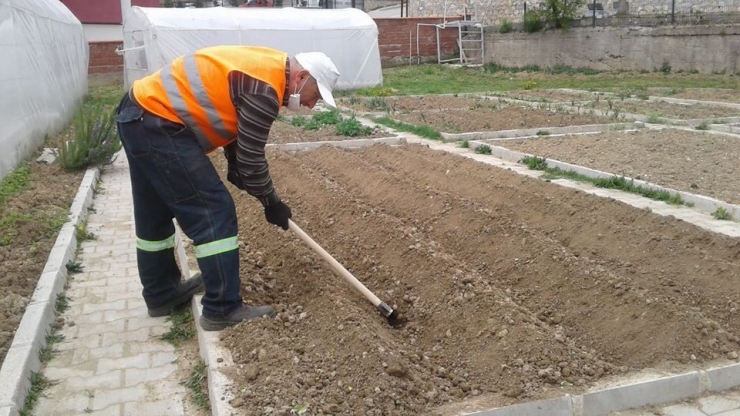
<point x="194" y="89"/>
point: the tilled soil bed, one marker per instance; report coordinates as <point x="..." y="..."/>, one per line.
<point x="29" y="223"/>
<point x="556" y="96"/>
<point x="662" y="109"/>
<point x="696" y="162"/>
<point x="703" y="94"/>
<point x="505" y="118"/>
<point x="407" y="104"/>
<point x="511" y="288"/>
<point x="283" y="132"/>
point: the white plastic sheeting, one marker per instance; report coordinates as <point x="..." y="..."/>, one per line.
<point x="152" y="37"/>
<point x="43" y="75"/>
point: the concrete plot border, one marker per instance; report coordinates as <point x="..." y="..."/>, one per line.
<point x="666" y="99"/>
<point x="344" y="144"/>
<point x="552" y="131"/>
<point x="652" y="392"/>
<point x="30" y="338"/>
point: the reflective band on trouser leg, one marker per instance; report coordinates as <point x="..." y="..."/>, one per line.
<point x="216" y="247"/>
<point x="160" y="245"/>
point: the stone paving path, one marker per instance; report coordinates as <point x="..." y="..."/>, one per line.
<point x="111" y="361"/>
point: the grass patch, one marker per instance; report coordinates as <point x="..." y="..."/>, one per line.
<point x="39" y="383"/>
<point x="423" y="131"/>
<point x="483" y="149"/>
<point x="722" y="214"/>
<point x="182" y="328"/>
<point x="614" y="182"/>
<point x="465" y="144"/>
<point x="298" y="121"/>
<point x="197" y="383"/>
<point x="444" y="79"/>
<point x="543" y="133"/>
<point x="327" y="117"/>
<point x="15" y="183"/>
<point x="653" y="119"/>
<point x="10" y="226"/>
<point x="506" y="26"/>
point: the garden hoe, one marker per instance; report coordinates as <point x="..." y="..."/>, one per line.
<point x="390" y="314"/>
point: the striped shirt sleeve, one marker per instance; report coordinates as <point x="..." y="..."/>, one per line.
<point x="257" y="107"/>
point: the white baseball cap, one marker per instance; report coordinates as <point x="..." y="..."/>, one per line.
<point x="323" y="70"/>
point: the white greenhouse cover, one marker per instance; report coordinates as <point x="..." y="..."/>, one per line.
<point x="43" y="76"/>
<point x="152" y="37"/>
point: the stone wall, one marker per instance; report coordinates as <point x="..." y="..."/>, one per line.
<point x="492" y="12"/>
<point x="377" y="4"/>
<point x="703" y="48"/>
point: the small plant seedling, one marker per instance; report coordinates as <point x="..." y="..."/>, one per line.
<point x="722" y="214"/>
<point x="74" y="267"/>
<point x="352" y="128"/>
<point x="298" y="121"/>
<point x="483" y="149"/>
<point x="702" y="126"/>
<point x="197" y="384"/>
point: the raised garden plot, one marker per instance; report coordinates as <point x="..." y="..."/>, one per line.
<point x="513" y="289"/>
<point x="702" y="94"/>
<point x="505" y="118"/>
<point x="661" y="109"/>
<point x="298" y="128"/>
<point x="553" y="96"/>
<point x="696" y="162"/>
<point x="408" y="104"/>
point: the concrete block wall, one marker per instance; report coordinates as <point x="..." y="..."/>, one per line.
<point x="103" y="58"/>
<point x="397" y="40"/>
<point x="704" y="48"/>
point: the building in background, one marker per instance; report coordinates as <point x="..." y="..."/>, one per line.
<point x="102" y="23"/>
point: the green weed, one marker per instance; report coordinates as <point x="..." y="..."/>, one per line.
<point x="423" y="131"/>
<point x="653" y="118"/>
<point x="197" y="383"/>
<point x="327" y="117"/>
<point x="9" y="226"/>
<point x="39" y="383"/>
<point x="465" y="144"/>
<point x="543" y="133"/>
<point x="702" y="126"/>
<point x="722" y="214"/>
<point x="298" y="121"/>
<point x="74" y="267"/>
<point x="48" y="352"/>
<point x="534" y="163"/>
<point x="352" y="128"/>
<point x="62" y="303"/>
<point x="483" y="149"/>
<point x="182" y="328"/>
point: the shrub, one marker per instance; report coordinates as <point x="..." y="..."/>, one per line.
<point x="506" y="26"/>
<point x="94" y="142"/>
<point x="532" y="21"/>
<point x="559" y="13"/>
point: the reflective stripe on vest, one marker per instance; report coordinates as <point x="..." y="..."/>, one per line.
<point x="216" y="247"/>
<point x="194" y="89"/>
<point x="151" y="246"/>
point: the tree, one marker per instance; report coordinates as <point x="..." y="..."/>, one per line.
<point x="559" y="13"/>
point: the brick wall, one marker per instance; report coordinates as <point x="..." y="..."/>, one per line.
<point x="103" y="58"/>
<point x="397" y="40"/>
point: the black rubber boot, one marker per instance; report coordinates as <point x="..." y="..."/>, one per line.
<point x="183" y="294"/>
<point x="242" y="313"/>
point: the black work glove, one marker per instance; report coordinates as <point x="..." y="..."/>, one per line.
<point x="278" y="214"/>
<point x="233" y="177"/>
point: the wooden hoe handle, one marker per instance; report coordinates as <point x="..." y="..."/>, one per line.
<point x="335" y="264"/>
